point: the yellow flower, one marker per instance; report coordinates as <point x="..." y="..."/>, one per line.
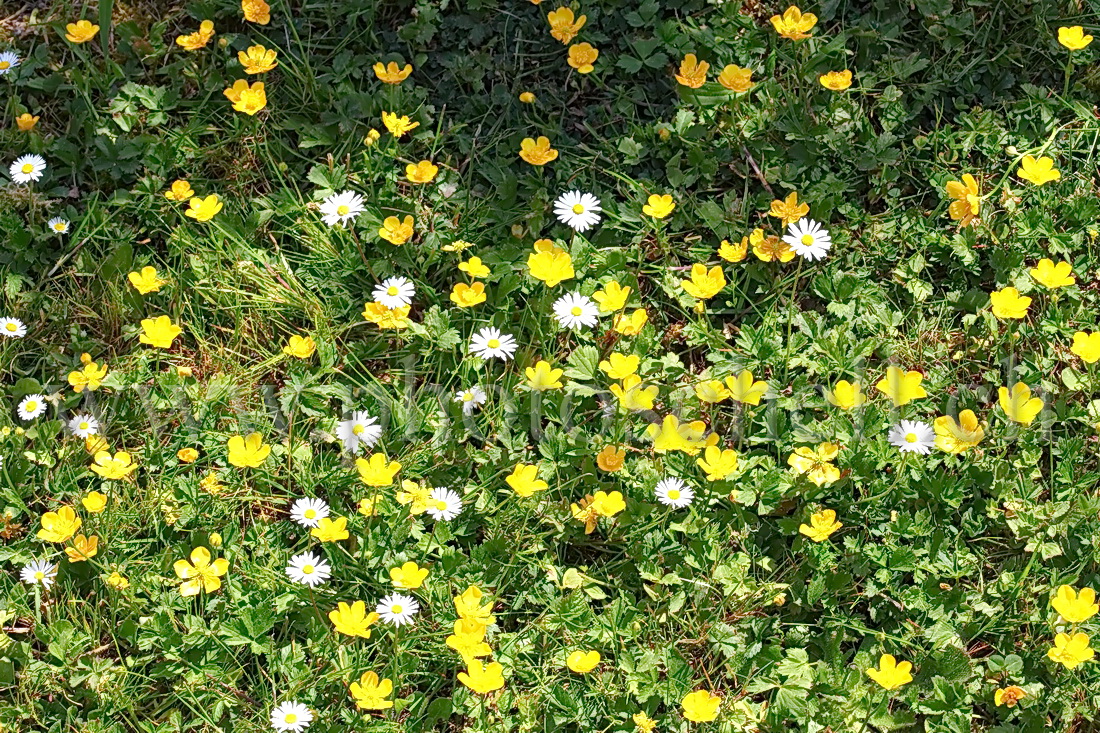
<point x="1073" y="606"/>
<point x="115" y="467"/>
<point x="611" y="297"/>
<point x="480" y="678"/>
<point x="583" y="662"/>
<point x="632" y="395"/>
<point x="1052" y="276"/>
<point x="146" y="281"/>
<point x="672" y="435"/>
<point x="736" y="79"/>
<point x="468" y="606"/>
<point x="474" y="268"/>
<point x="245" y="98"/>
<point x="772" y="248"/>
<point x="542" y="376"/>
<point x="370" y="693"/>
<point x="395" y="230"/>
<point x="659" y="206"/>
<point x="838" y="81"/>
<point x="377" y="470"/>
<point x="734" y="252"/>
<point x="789" y="210"/>
<point x="203" y="209"/>
<point x="822" y="525"/>
<point x="84" y="548"/>
<point x="423" y="172"/>
<point x="117" y="581"/>
<point x="187" y="455"/>
<point x="718" y="463"/>
<point x="256" y="11"/>
<point x="387" y="318"/>
<point x="300" y="347"/>
<point x="352" y="620"/>
<point x="693" y="73"/>
<point x="1018" y="404"/>
<point x="180" y="190"/>
<point x="467" y="296"/>
<point x="94" y="502"/>
<point x="1070" y="651"/>
<point x="258" y="60"/>
<point x="552" y="266"/>
<point x="620" y="366"/>
<point x="198" y="39"/>
<point x="537" y="152"/>
<point x="372" y="137"/>
<point x="704" y="284"/>
<point x="631" y="325"/>
<point x="845" y="395"/>
<point x="408" y="576"/>
<point x="159" y="332"/>
<point x="82" y="31"/>
<point x="95" y="443"/>
<point x="248" y="452"/>
<point x="794" y="24"/>
<point x="816" y="464"/>
<point x="398" y="126"/>
<point x="1073" y="37"/>
<point x="610" y="458"/>
<point x="1038" y="171"/>
<point x="59" y="526"/>
<point x="712" y="391"/>
<point x="469" y="640"/>
<point x="967" y="204"/>
<point x="368" y="507"/>
<point x="700" y="706"/>
<point x="391" y="73"/>
<point x="958" y="437"/>
<point x="563" y="26"/>
<point x="644" y="723"/>
<point x="459" y="245"/>
<point x="742" y="388"/>
<point x="1008" y="696"/>
<point x="1008" y="303"/>
<point x="330" y="530"/>
<point x="1087" y="346"/>
<point x="901" y="387"/>
<point x="525" y="480"/>
<point x="26" y="122"/>
<point x="582" y="56"/>
<point x="527" y="97"/>
<point x="891" y="674"/>
<point x="585" y="513"/>
<point x="200" y="574"/>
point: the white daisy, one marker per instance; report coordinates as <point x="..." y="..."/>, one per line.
<point x="8" y="61"/>
<point x="397" y="609"/>
<point x="58" y="225"/>
<point x="489" y="342"/>
<point x="12" y="328"/>
<point x="359" y="429"/>
<point x="291" y="716"/>
<point x="578" y="210"/>
<point x="471" y="399"/>
<point x="308" y="569"/>
<point x="82" y="425"/>
<point x="308" y="512"/>
<point x="32" y="406"/>
<point x="395" y="292"/>
<point x="27" y="168"/>
<point x="674" y="493"/>
<point x="911" y="436"/>
<point x="574" y="310"/>
<point x="340" y="208"/>
<point x="444" y="504"/>
<point x="808" y="239"/>
<point x="38" y="571"/>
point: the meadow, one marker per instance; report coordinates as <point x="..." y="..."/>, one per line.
<point x="502" y="366"/>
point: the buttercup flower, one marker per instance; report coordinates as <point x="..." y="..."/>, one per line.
<point x="1075" y="607"/>
<point x="845" y="395"/>
<point x="838" y="81"/>
<point x="370" y="693"/>
<point x="1008" y="696"/>
<point x="467" y="296"/>
<point x="377" y="470"/>
<point x="256" y="11"/>
<point x="563" y="26"/>
<point x="1038" y="171"/>
<point x="300" y="347"/>
<point x="82" y="31"/>
<point x="967" y="203"/>
<point x="958" y="437"/>
<point x="891" y="674"/>
<point x="423" y="172"/>
<point x="180" y="190"/>
<point x="353" y="620"/>
<point x="816" y="464"/>
<point x="483" y="678"/>
<point x="789" y="210"/>
<point x="1008" y="303"/>
<point x="391" y="73"/>
<point x="26" y="121"/>
<point x="735" y="78"/>
<point x="1073" y="37"/>
<point x="620" y="366"/>
<point x="527" y="97"/>
<point x="704" y="284"/>
<point x="631" y="324"/>
<point x="1052" y="276"/>
<point x="200" y="574"/>
<point x="94" y="502"/>
<point x="246" y="98"/>
<point x="258" y="60"/>
<point x="203" y="209"/>
<point x="398" y="125"/>
<point x="115" y="467"/>
<point x="744" y="388"/>
<point x="1070" y="651"/>
<point x="582" y="56"/>
<point x="633" y="395"/>
<point x="821" y="527"/>
<point x="59" y="526"/>
<point x="1018" y="404"/>
<point x="610" y="458"/>
<point x="583" y="662"/>
<point x="700" y="706"/>
<point x="524" y="480"/>
<point x="396" y="231"/>
<point x="659" y="206"/>
<point x="248" y="452"/>
<point x="794" y="24"/>
<point x="198" y="39"/>
<point x="408" y="576"/>
<point x="330" y="530"/>
<point x="693" y="73"/>
<point x="537" y="152"/>
<point x="900" y="386"/>
<point x="1087" y="346"/>
<point x="550" y="264"/>
<point x="146" y="281"/>
<point x="543" y="377"/>
<point x="612" y="297"/>
<point x="718" y="463"/>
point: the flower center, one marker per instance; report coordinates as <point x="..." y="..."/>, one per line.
<point x="290" y="718"/>
<point x="440" y="506"/>
<point x="84" y="425"/>
<point x="578" y="209"/>
<point x="343" y="209"/>
<point x="309" y="513"/>
<point x="577" y="310"/>
<point x="910" y="437"/>
<point x="5" y="65"/>
<point x="307" y="570"/>
<point x="59" y="227"/>
<point x="467" y="396"/>
<point x="32" y="405"/>
<point x="391" y="290"/>
<point x="807" y="239"/>
<point x="397" y="608"/>
<point x="494" y="343"/>
<point x="10" y="326"/>
<point x="358" y="429"/>
<point x="27" y="168"/>
<point x="39" y="575"/>
<point x="674" y="494"/>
